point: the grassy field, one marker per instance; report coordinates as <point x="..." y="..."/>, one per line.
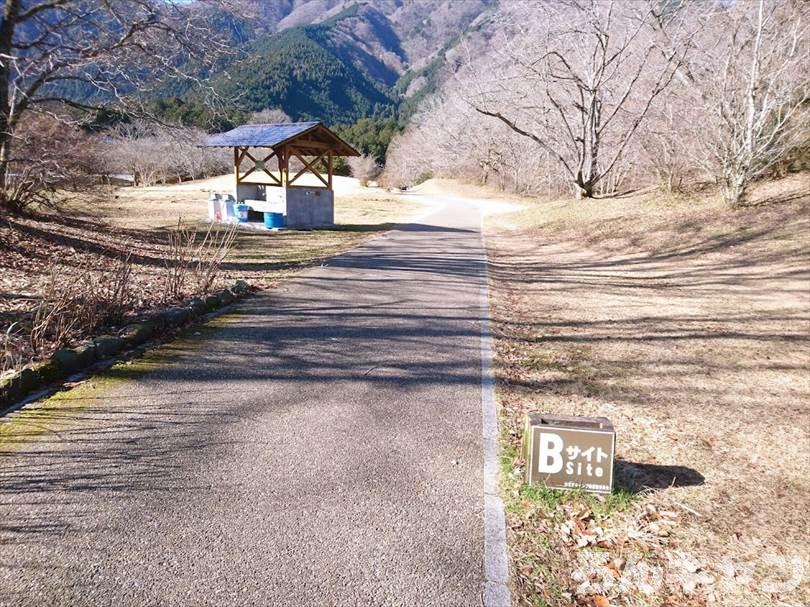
<point x="688" y="325"/>
<point x="95" y="231"/>
<point x="259" y="256"/>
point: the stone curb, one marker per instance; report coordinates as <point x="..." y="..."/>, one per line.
<point x="68" y="361"/>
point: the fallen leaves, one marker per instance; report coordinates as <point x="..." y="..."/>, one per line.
<point x="600" y="601"/>
<point x="681" y="369"/>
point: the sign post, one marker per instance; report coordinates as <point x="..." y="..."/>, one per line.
<point x="569" y="452"/>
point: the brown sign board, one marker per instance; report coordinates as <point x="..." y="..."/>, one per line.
<point x="569" y="452"/>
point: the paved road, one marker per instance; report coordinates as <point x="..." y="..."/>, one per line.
<point x="323" y="447"/>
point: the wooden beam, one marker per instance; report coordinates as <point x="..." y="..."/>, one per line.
<point x="236" y="158"/>
<point x="264" y="162"/>
<point x="308" y="166"/>
<point x="338" y="145"/>
<point x="311" y="143"/>
<point x="248" y="172"/>
<point x="247" y="154"/>
<point x="277" y="180"/>
<point x="329" y="169"/>
<point x="258" y="163"/>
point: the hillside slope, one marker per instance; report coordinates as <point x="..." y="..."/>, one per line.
<point x="330" y="60"/>
<point x="298" y="71"/>
<point x="341" y="61"/>
<point x="422" y="26"/>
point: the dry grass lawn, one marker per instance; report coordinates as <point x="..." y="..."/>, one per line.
<point x="96" y="230"/>
<point x="688" y="325"/>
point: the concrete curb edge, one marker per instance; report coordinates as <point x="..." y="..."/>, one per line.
<point x="496" y="565"/>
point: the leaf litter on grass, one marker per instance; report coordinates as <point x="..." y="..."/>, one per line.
<point x="686" y="324"/>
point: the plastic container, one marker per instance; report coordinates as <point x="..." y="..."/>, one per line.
<point x="274" y="220"/>
<point x="229" y="215"/>
<point x="214" y="208"/>
<point x="242" y="211"/>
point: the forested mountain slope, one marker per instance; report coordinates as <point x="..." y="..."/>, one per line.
<point x="423" y="26"/>
<point x="301" y="72"/>
<point x="338" y="61"/>
<point x="331" y="60"/>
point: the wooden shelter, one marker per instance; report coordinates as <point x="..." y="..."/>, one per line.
<point x="262" y="154"/>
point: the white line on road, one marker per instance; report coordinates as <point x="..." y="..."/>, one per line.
<point x="496" y="568"/>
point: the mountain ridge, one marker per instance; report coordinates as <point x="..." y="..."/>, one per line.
<point x="341" y="61"/>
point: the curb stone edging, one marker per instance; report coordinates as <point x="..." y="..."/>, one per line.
<point x="496" y="591"/>
<point x="69" y="361"/>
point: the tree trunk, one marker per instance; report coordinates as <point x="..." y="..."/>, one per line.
<point x="735" y="191"/>
<point x="583" y="188"/>
<point x="7" y="25"/>
<point x="5" y="140"/>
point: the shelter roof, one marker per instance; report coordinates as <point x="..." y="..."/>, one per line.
<point x="309" y="137"/>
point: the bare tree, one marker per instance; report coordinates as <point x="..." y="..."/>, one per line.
<point x="752" y="75"/>
<point x="665" y="144"/>
<point x="132" y="149"/>
<point x="364" y="168"/>
<point x="270" y="115"/>
<point x="153" y="153"/>
<point x="87" y="54"/>
<point x="440" y="140"/>
<point x="577" y="79"/>
<point x="52" y="154"/>
<point x="602" y="95"/>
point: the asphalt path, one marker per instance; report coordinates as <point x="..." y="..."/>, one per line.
<point x="322" y="446"/>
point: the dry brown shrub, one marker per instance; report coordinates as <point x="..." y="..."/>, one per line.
<point x="178" y="265"/>
<point x="80" y="305"/>
<point x="10" y="349"/>
<point x="210" y="254"/>
<point x="49" y="153"/>
<point x="196" y="260"/>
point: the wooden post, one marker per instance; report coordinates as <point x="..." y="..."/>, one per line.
<point x="284" y="167"/>
<point x="236" y="164"/>
<point x="329" y="168"/>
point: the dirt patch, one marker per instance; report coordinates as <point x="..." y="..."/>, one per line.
<point x="687" y="324"/>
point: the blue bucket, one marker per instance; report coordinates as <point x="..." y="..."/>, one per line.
<point x="274" y="220"/>
<point x="242" y="212"/>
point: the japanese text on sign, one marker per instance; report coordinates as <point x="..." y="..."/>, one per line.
<point x="570" y="453"/>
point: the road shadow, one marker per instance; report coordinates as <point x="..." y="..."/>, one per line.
<point x="370" y="320"/>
